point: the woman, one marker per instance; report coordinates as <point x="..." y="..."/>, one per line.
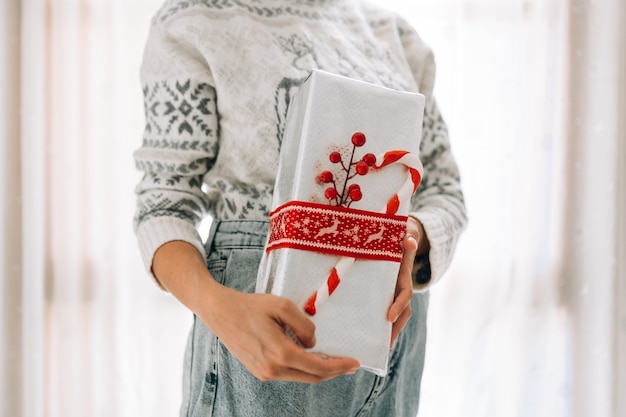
<point x="217" y="78"/>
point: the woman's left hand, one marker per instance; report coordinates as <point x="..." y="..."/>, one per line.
<point x="400" y="310"/>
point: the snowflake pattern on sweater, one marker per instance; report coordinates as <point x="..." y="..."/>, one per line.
<point x="178" y="104"/>
<point x="218" y="78"/>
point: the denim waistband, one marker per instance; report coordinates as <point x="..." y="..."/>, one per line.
<point x="238" y="234"/>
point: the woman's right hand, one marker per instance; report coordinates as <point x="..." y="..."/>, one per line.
<point x="251" y="326"/>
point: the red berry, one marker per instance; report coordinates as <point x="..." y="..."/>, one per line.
<point x="330" y="193"/>
<point x="362" y="168"/>
<point x="326" y="177"/>
<point x="356" y="194"/>
<point x="358" y="139"/>
<point x="354" y="187"/>
<point x="369" y="159"/>
<point x="335" y="157"/>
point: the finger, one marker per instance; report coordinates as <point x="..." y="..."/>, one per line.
<point x="409" y="242"/>
<point x="288" y="314"/>
<point x="413" y="231"/>
<point x="409" y="251"/>
<point x="293" y="374"/>
<point x="288" y="360"/>
<point x="401" y="303"/>
<point x="404" y="285"/>
<point x="324" y="366"/>
<point x="399" y="325"/>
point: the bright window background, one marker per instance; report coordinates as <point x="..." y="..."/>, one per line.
<point x="498" y="336"/>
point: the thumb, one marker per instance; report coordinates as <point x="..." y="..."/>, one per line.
<point x="409" y="244"/>
<point x="409" y="241"/>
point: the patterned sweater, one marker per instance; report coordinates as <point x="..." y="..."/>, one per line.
<point x="217" y="78"/>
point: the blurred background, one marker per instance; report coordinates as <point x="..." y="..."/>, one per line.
<point x="530" y="320"/>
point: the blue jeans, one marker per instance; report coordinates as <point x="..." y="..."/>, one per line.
<point x="216" y="384"/>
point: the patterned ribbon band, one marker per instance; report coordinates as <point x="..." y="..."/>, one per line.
<point x="336" y="230"/>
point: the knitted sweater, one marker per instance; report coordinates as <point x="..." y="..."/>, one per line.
<point x="217" y="78"/>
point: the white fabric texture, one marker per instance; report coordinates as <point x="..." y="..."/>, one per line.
<point x="324" y="114"/>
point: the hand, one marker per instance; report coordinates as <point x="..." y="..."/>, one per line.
<point x="400" y="310"/>
<point x="252" y="327"/>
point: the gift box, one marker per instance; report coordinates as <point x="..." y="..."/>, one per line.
<point x="348" y="167"/>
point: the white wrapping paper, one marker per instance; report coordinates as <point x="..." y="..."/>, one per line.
<point x="324" y="114"/>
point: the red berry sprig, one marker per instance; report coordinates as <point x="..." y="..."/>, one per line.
<point x="352" y="192"/>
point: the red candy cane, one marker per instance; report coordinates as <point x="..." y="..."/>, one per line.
<point x="414" y="166"/>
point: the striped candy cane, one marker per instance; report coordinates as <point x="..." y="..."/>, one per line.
<point x="414" y="166"/>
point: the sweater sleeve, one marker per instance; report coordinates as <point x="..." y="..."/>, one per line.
<point x="438" y="203"/>
<point x="180" y="140"/>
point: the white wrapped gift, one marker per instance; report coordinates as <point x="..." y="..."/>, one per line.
<point x="347" y="169"/>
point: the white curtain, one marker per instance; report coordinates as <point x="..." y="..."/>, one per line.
<point x="84" y="330"/>
<point x="529" y="320"/>
<point x="499" y="334"/>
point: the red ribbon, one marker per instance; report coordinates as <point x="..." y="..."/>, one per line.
<point x="336" y="230"/>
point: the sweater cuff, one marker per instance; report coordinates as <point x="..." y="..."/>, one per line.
<point x="155" y="232"/>
<point x="436" y="262"/>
